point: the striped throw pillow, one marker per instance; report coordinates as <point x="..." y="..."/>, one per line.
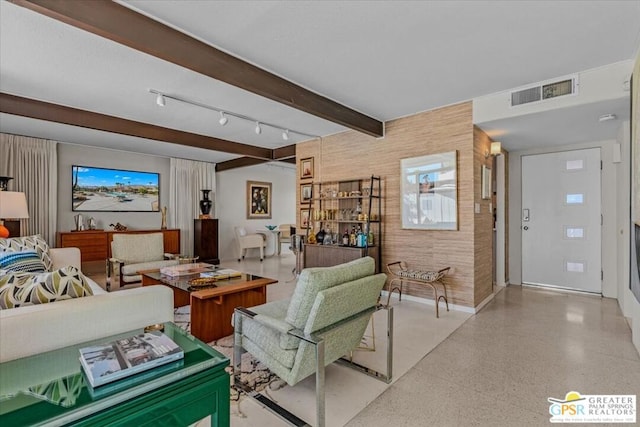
<point x="25" y="262"/>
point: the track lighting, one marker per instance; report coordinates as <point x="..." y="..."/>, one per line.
<point x="224" y="115"/>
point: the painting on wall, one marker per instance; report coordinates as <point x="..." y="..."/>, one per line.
<point x="258" y="200"/>
<point x="429" y="192"/>
<point x="306" y="168"/>
<point x="304" y="219"/>
<point x="306" y="193"/>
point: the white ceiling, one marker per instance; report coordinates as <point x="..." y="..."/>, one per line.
<point x="386" y="59"/>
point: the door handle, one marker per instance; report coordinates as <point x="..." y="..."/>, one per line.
<point x="526" y="227"/>
<point x="525" y="214"/>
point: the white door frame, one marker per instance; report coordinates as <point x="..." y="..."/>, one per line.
<point x="610" y="206"/>
<point x="501" y="222"/>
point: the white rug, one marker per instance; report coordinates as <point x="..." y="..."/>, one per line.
<point x="416" y="333"/>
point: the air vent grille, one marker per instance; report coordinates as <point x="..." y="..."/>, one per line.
<point x="557" y="89"/>
<point x="540" y="93"/>
<point x="525" y="96"/>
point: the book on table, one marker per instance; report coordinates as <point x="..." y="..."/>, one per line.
<point x="121" y="358"/>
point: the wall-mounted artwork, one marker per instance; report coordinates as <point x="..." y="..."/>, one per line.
<point x="258" y="200"/>
<point x="304" y="219"/>
<point x="306" y="193"/>
<point x="114" y="190"/>
<point x="429" y="192"/>
<point x="306" y="168"/>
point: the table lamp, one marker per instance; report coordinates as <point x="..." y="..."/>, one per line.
<point x="13" y="205"/>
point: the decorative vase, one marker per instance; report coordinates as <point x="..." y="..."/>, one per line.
<point x="205" y="204"/>
<point x="164" y="219"/>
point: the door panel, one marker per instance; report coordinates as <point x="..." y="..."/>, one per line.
<point x="561" y="223"/>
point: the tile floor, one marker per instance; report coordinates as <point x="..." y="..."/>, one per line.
<point x="496" y="368"/>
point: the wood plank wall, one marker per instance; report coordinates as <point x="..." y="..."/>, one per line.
<point x="351" y="154"/>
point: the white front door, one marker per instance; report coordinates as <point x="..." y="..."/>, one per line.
<point x="561" y="222"/>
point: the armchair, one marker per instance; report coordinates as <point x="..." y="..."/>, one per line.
<point x="131" y="253"/>
<point x="324" y="320"/>
<point x="249" y="240"/>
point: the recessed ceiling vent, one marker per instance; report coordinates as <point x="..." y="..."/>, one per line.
<point x="543" y="92"/>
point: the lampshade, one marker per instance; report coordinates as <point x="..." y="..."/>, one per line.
<point x="13" y="205"/>
<point x="496" y="148"/>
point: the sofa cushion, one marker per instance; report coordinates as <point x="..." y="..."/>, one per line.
<point x="20" y="289"/>
<point x="25" y="261"/>
<point x="314" y="280"/>
<point x="35" y="242"/>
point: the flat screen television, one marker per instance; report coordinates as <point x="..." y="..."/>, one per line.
<point x="114" y="190"/>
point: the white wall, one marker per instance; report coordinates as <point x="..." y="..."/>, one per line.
<point x="70" y="154"/>
<point x="231" y="204"/>
<point x="610" y="208"/>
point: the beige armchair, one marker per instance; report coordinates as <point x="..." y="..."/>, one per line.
<point x="131" y="253"/>
<point x="285" y="234"/>
<point x="247" y="240"/>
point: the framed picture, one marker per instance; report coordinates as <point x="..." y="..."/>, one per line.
<point x="486" y="182"/>
<point x="304" y="219"/>
<point x="258" y="200"/>
<point x="306" y="168"/>
<point x="306" y="193"/>
<point x="429" y="192"/>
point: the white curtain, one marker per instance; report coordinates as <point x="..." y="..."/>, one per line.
<point x="33" y="164"/>
<point x="188" y="178"/>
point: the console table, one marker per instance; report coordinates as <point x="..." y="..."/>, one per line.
<point x="50" y="389"/>
<point x="95" y="245"/>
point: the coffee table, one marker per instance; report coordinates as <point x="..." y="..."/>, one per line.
<point x="50" y="389"/>
<point x="212" y="308"/>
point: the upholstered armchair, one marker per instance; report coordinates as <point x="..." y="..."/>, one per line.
<point x="286" y="230"/>
<point x="134" y="252"/>
<point x="324" y="320"/>
<point x="247" y="240"/>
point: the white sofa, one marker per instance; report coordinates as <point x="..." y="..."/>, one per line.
<point x="29" y="330"/>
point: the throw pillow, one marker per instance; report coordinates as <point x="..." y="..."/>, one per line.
<point x="19" y="289"/>
<point x="25" y="262"/>
<point x="35" y="243"/>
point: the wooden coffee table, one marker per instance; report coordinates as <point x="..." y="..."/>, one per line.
<point x="211" y="308"/>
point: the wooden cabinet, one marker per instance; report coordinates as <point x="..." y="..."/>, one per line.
<point x="95" y="245"/>
<point x="205" y="240"/>
<point x="352" y="205"/>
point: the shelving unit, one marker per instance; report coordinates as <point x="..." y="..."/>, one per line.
<point x="339" y="205"/>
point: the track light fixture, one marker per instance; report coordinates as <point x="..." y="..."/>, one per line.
<point x="224" y="115"/>
<point x="223" y="119"/>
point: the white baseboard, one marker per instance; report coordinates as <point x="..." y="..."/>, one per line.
<point x="456" y="307"/>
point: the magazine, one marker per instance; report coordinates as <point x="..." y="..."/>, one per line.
<point x="120" y="358"/>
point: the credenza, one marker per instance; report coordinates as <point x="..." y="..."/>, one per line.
<point x="95" y="245"/>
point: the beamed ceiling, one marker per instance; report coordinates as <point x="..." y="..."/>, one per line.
<point x="81" y="71"/>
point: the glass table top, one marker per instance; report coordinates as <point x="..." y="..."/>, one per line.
<point x="182" y="282"/>
<point x="51" y="389"/>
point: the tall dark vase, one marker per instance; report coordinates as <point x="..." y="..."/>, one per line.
<point x="205" y="204"/>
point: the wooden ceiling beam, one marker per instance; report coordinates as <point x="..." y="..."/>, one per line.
<point x="284" y="153"/>
<point x="130" y="28"/>
<point x="238" y="163"/>
<point x="26" y="107"/>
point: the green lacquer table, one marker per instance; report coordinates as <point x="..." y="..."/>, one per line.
<point x="50" y="389"/>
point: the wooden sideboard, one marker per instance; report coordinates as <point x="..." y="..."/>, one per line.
<point x="95" y="245"/>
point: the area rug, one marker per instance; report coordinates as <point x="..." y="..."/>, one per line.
<point x="252" y="372"/>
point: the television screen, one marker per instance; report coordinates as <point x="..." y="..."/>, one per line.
<point x="113" y="190"/>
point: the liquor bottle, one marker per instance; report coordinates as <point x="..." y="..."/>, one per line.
<point x="352" y="236"/>
<point x="345" y="237"/>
